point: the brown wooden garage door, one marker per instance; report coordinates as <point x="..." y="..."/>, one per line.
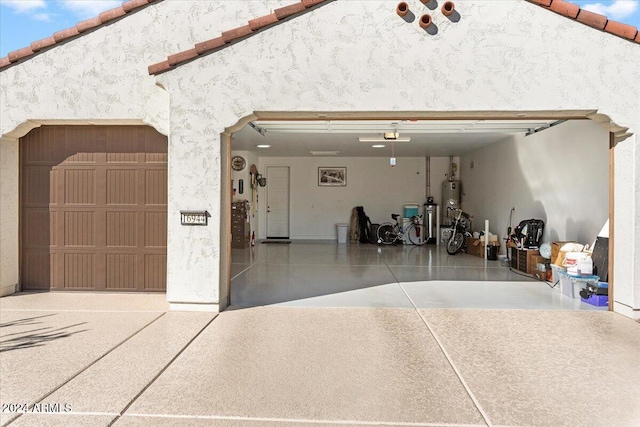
<point x="94" y="208"/>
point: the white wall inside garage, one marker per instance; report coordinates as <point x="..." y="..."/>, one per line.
<point x="371" y="183"/>
<point x="560" y="175"/>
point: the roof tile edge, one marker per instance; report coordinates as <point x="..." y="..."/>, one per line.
<point x="234" y="34"/>
<point x="593" y="20"/>
<point x="73" y="32"/>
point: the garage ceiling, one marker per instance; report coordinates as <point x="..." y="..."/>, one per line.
<point x="427" y="137"/>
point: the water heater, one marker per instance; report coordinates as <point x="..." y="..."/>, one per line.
<point x="450" y="200"/>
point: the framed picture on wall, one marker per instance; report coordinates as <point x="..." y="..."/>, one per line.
<point x="332" y="177"/>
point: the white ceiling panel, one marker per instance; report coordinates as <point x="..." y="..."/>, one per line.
<point x="427" y="138"/>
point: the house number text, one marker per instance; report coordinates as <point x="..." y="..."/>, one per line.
<point x="194" y="217"/>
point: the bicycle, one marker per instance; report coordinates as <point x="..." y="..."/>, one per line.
<point x="415" y="233"/>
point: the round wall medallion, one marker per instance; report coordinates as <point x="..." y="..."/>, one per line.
<point x="238" y="163"/>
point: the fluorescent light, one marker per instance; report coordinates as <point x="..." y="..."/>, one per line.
<point x="378" y="146"/>
<point x="263" y="146"/>
<point x="324" y="153"/>
<point x="361" y="139"/>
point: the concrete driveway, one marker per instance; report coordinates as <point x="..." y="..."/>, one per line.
<point x="113" y="359"/>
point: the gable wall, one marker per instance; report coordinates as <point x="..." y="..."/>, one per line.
<point x="100" y="77"/>
<point x="354" y="55"/>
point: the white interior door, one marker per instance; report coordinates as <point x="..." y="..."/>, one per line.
<point x="277" y="202"/>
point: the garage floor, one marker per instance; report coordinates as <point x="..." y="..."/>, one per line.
<point x="327" y="274"/>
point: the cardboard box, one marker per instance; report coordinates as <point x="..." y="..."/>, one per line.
<point x="476" y="247"/>
<point x="537" y="259"/>
<point x="557" y="257"/>
<point x="522" y="259"/>
<point x="540" y="275"/>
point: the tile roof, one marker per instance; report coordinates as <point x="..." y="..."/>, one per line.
<point x="561" y="7"/>
<point x="73" y="32"/>
<point x="594" y="20"/>
<point x="234" y="34"/>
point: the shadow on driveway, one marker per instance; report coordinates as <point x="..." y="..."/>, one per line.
<point x="35" y="337"/>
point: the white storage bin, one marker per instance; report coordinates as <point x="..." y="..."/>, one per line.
<point x="342" y="232"/>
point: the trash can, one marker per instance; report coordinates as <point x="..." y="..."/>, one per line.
<point x="492" y="252"/>
<point x="342" y="232"/>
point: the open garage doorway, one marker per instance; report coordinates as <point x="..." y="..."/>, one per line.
<point x="501" y="162"/>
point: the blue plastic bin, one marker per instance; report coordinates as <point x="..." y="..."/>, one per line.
<point x="597" y="300"/>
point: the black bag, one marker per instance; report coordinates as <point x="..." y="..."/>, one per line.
<point x="364" y="223"/>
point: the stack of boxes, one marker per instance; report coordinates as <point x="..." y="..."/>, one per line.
<point x="571" y="285"/>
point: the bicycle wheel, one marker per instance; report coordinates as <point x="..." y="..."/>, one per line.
<point x="386" y="234"/>
<point x="455" y="244"/>
<point x="416" y="234"/>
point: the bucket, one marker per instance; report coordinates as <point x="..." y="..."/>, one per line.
<point x="492" y="253"/>
<point x="572" y="259"/>
<point x="585" y="266"/>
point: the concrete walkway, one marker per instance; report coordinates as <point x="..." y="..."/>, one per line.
<point x="114" y="359"/>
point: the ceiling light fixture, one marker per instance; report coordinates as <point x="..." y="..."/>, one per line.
<point x="263" y="146"/>
<point x="324" y="153"/>
<point x="380" y="139"/>
<point x="378" y="146"/>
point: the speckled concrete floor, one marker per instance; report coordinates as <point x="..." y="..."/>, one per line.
<point x="327" y="274"/>
<point x="283" y="366"/>
<point x="268" y="366"/>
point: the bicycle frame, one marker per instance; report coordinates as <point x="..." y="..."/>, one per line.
<point x="399" y="233"/>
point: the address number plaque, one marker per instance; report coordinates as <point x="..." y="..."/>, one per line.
<point x="194" y="217"/>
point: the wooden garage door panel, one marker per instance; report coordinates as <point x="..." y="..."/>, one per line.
<point x="41" y="146"/>
<point x="121" y="271"/>
<point x="155" y="271"/>
<point x="80" y="187"/>
<point x="79" y="270"/>
<point x="79" y="228"/>
<point x="38" y="275"/>
<point x="38" y="186"/>
<point x="156" y="186"/>
<point x="38" y="233"/>
<point x="122" y="186"/>
<point x="81" y="144"/>
<point x="122" y="229"/>
<point x="155" y="229"/>
<point x="94" y="208"/>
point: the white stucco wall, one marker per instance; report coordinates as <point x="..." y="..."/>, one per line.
<point x="560" y="175"/>
<point x="8" y="216"/>
<point x="354" y="55"/>
<point x="102" y="78"/>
